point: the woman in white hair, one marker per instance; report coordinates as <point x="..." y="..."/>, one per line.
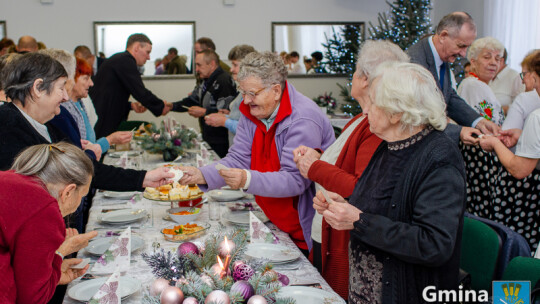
<point x="485" y="56"/>
<point x="405" y="215"/>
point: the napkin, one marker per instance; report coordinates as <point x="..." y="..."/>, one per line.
<point x="123" y="161"/>
<point x="204" y="152"/>
<point x="259" y="232"/>
<point x="118" y="255"/>
<point x="200" y="161"/>
<point x="108" y="292"/>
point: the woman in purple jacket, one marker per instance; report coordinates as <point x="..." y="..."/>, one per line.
<point x="276" y="119"/>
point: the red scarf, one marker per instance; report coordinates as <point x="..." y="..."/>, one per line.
<point x="282" y="211"/>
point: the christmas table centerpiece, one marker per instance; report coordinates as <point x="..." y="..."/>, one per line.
<point x="171" y="139"/>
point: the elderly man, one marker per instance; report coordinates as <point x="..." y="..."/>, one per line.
<point x="214" y="93"/>
<point x="455" y="33"/>
<point x="116" y="80"/>
<point x="83" y="52"/>
<point x="27" y="44"/>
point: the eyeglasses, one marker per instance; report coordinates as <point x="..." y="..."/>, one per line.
<point x="522" y="75"/>
<point x="252" y="95"/>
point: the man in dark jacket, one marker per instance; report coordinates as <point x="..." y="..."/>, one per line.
<point x="214" y="93"/>
<point x="118" y="78"/>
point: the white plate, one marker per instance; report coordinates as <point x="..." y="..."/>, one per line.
<point x="99" y="246"/>
<point x="118" y="194"/>
<point x="242" y="217"/>
<point x="226" y="195"/>
<point x="119" y="154"/>
<point x="122" y="216"/>
<point x="273" y="252"/>
<point x="84" y="291"/>
<point x="309" y="295"/>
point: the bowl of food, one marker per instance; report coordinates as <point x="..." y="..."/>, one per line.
<point x="183" y="215"/>
<point x="182" y="233"/>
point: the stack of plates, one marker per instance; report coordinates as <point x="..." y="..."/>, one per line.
<point x="309" y="295"/>
<point x="222" y="195"/>
<point x="241" y="218"/>
<point x="276" y="254"/>
<point x="118" y="195"/>
<point x="123" y="216"/>
<point x="84" y="291"/>
<point x="99" y="246"/>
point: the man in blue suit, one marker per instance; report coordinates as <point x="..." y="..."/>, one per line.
<point x="454" y="34"/>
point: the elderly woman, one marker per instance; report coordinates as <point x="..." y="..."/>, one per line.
<point x="46" y="183"/>
<point x="528" y="101"/>
<point x="36" y="84"/>
<point x="230" y="121"/>
<point x="276" y="119"/>
<point x="76" y="108"/>
<point x="340" y="166"/>
<point x="405" y="215"/>
<point x="485" y="56"/>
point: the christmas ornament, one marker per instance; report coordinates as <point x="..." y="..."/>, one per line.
<point x="156" y="137"/>
<point x="190" y="300"/>
<point x="158" y="286"/>
<point x="171" y="295"/>
<point x="257" y="299"/>
<point x="283" y="279"/>
<point x="242" y="272"/>
<point x="187" y="247"/>
<point x="237" y="263"/>
<point x="223" y="250"/>
<point x="243" y="288"/>
<point x="217" y="296"/>
<point x="216" y="269"/>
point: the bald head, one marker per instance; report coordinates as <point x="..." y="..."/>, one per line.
<point x="27" y="44"/>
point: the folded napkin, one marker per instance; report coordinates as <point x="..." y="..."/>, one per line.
<point x="204" y="152"/>
<point x="123" y="161"/>
<point x="108" y="292"/>
<point x="259" y="232"/>
<point x="118" y="255"/>
<point x="200" y="161"/>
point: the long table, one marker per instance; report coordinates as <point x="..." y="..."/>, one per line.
<point x="299" y="272"/>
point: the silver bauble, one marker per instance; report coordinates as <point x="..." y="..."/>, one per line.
<point x="171" y="295"/>
<point x="217" y="296"/>
<point x="158" y="286"/>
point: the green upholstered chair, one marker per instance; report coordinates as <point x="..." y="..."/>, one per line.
<point x="524" y="269"/>
<point x="480" y="248"/>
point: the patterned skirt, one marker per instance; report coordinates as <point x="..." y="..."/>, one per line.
<point x="494" y="194"/>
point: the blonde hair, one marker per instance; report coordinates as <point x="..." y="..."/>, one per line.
<point x="57" y="164"/>
<point x="410" y="89"/>
<point x="489" y="43"/>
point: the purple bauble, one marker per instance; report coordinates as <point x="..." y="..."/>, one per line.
<point x="243" y="272"/>
<point x="217" y="296"/>
<point x="257" y="299"/>
<point x="171" y="295"/>
<point x="177" y="142"/>
<point x="187" y="247"/>
<point x="243" y="288"/>
<point x="158" y="286"/>
<point x="283" y="279"/>
<point x="237" y="263"/>
<point x="190" y="300"/>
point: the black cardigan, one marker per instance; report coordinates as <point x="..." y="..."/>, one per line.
<point x="16" y="134"/>
<point x="421" y="234"/>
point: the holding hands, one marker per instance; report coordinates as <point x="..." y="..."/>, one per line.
<point x="304" y="157"/>
<point x="338" y="213"/>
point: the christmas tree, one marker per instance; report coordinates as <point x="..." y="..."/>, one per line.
<point x="408" y="22"/>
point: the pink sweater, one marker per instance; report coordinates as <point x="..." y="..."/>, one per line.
<point x="31" y="230"/>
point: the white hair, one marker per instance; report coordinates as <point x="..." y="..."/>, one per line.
<point x="410" y="89"/>
<point x="65" y="58"/>
<point x="266" y="66"/>
<point x="489" y="43"/>
<point x="374" y="52"/>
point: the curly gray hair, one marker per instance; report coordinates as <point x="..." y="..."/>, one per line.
<point x="65" y="58"/>
<point x="266" y="66"/>
<point x="489" y="43"/>
<point x="410" y="89"/>
<point x="374" y="52"/>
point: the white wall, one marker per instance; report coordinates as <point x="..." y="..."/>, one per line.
<point x="475" y="8"/>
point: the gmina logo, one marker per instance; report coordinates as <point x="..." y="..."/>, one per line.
<point x="430" y="294"/>
<point x="515" y="292"/>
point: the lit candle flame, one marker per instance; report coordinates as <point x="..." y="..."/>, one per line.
<point x="227" y="245"/>
<point x="220" y="263"/>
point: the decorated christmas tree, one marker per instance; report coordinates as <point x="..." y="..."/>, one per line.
<point x="407" y="22"/>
